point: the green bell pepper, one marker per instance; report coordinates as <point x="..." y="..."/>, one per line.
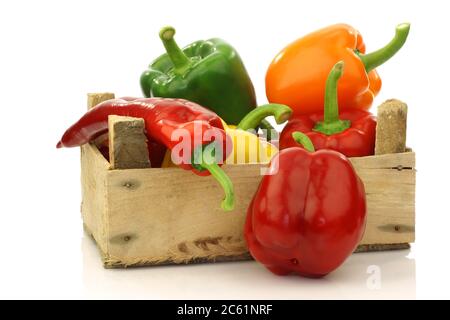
<point x="208" y="72"/>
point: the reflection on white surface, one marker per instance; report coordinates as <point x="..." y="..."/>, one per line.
<point x="376" y="275"/>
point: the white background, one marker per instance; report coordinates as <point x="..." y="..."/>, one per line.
<point x="53" y="52"/>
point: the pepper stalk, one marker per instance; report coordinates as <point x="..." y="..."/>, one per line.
<point x="331" y="123"/>
<point x="204" y="158"/>
<point x="180" y="61"/>
<point x="374" y="59"/>
<point x="253" y="119"/>
<point x="303" y="140"/>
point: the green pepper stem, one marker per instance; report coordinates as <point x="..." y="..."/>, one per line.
<point x="180" y="61"/>
<point x="207" y="162"/>
<point x="331" y="123"/>
<point x="254" y="118"/>
<point x="303" y="140"/>
<point x="377" y="58"/>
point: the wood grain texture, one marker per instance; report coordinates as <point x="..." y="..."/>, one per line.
<point x="391" y="127"/>
<point x="94" y="169"/>
<point x="95" y="98"/>
<point x="406" y="160"/>
<point x="161" y="215"/>
<point x="382" y="247"/>
<point x="390" y="182"/>
<point x="127" y="143"/>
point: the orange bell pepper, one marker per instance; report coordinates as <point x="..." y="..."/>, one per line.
<point x="297" y="74"/>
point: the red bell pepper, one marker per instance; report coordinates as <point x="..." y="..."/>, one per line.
<point x="354" y="136"/>
<point x="309" y="214"/>
<point x="163" y="117"/>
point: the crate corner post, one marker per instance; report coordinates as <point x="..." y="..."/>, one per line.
<point x="94" y="193"/>
<point x="390" y="180"/>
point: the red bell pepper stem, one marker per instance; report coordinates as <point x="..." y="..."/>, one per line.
<point x="253" y="119"/>
<point x="377" y="58"/>
<point x="303" y="140"/>
<point x="331" y="123"/>
<point x="180" y="61"/>
<point x="204" y="158"/>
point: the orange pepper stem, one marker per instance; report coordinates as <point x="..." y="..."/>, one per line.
<point x="303" y="140"/>
<point x="180" y="61"/>
<point x="377" y="58"/>
<point x="331" y="123"/>
<point x="253" y="119"/>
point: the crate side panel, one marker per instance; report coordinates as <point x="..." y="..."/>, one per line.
<point x="390" y="196"/>
<point x="172" y="215"/>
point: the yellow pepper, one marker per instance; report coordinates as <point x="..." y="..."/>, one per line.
<point x="247" y="146"/>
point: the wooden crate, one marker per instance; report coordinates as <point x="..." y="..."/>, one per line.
<point x="153" y="216"/>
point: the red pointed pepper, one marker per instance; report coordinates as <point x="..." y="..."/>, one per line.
<point x="309" y="215"/>
<point x="163" y="117"/>
<point x="350" y="132"/>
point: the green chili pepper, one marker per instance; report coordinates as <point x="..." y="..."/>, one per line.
<point x="208" y="72"/>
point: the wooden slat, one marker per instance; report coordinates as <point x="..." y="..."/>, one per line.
<point x="94" y="194"/>
<point x="127" y="143"/>
<point x="386" y="161"/>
